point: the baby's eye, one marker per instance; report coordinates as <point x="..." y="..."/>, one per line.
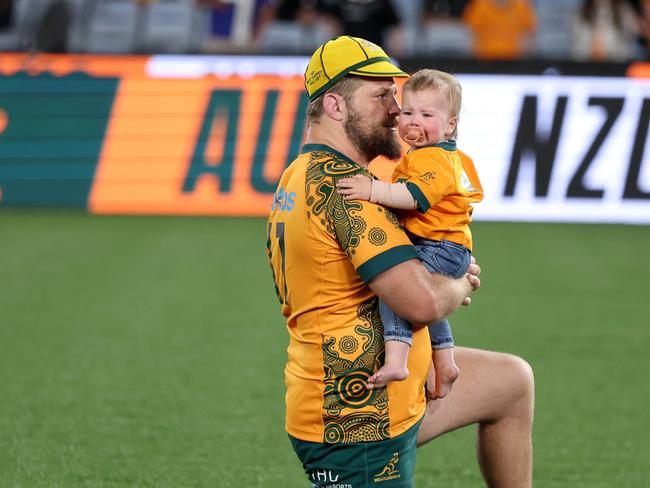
<point x="406" y="112"/>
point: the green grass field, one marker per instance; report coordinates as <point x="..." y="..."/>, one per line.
<point x="148" y="352"/>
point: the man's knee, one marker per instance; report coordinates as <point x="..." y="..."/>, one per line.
<point x="520" y="375"/>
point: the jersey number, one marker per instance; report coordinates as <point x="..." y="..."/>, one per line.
<point x="279" y="235"/>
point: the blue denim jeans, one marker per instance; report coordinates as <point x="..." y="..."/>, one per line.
<point x="442" y="257"/>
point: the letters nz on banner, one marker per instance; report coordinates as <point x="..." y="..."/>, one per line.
<point x="559" y="148"/>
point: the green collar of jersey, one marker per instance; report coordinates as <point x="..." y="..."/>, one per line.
<point x="323" y="147"/>
<point x="449" y="145"/>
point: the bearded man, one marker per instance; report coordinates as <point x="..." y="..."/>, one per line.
<point x="331" y="258"/>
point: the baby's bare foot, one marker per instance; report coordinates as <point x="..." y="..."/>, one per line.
<point x="445" y="379"/>
<point x="385" y="375"/>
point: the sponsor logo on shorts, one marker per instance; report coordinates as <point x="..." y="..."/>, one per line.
<point x="390" y="471"/>
<point x="335" y="485"/>
<point x="326" y="476"/>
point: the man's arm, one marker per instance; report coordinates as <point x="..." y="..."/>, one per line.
<point x="421" y="297"/>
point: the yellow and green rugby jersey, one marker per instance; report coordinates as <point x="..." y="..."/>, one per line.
<point x="323" y="250"/>
<point x="445" y="184"/>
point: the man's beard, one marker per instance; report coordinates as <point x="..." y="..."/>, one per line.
<point x="372" y="143"/>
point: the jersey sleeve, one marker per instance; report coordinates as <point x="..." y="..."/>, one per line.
<point x="472" y="174"/>
<point x="426" y="178"/>
<point x="371" y="236"/>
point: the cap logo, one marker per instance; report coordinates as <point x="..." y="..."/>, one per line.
<point x="314" y="77"/>
<point x="370" y="46"/>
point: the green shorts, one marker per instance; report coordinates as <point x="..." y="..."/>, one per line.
<point x="381" y="464"/>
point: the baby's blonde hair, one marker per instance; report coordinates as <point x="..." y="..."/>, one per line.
<point x="446" y="84"/>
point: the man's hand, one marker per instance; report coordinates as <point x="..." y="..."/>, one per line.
<point x="358" y="187"/>
<point x="473" y="277"/>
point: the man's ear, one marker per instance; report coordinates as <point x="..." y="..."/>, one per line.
<point x="334" y="106"/>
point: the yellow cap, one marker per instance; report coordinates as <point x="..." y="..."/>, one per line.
<point x="346" y="55"/>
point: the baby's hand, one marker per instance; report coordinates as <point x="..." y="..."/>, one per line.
<point x="358" y="187"/>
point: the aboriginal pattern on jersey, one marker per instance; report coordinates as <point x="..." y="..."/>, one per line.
<point x="351" y="413"/>
<point x="338" y="216"/>
<point x="391" y="217"/>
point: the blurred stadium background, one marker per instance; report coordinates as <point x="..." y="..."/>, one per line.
<point x="140" y="144"/>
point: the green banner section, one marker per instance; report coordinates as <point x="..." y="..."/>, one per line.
<point x="51" y="134"/>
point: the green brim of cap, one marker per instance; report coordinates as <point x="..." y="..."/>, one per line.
<point x="382" y="68"/>
<point x="379" y="66"/>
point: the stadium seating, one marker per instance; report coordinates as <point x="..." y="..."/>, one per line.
<point x="173" y="26"/>
<point x="20" y="35"/>
<point x="445" y="38"/>
<point x="291" y="38"/>
<point x="180" y="26"/>
<point x="554" y="27"/>
<point x="114" y="26"/>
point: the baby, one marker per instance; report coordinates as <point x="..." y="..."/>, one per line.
<point x="435" y="186"/>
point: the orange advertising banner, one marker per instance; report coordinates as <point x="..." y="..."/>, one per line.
<point x="206" y="146"/>
<point x="183" y="135"/>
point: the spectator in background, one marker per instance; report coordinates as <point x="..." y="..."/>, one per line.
<point x="293" y="26"/>
<point x="502" y="29"/>
<point x="443" y="32"/>
<point x="642" y="11"/>
<point x="368" y="19"/>
<point x="53" y="27"/>
<point x="444" y="8"/>
<point x="644" y="27"/>
<point x="303" y="11"/>
<point x="605" y="30"/>
<point x="227" y="30"/>
<point x="6" y="14"/>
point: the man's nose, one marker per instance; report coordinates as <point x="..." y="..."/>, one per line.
<point x="393" y="108"/>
